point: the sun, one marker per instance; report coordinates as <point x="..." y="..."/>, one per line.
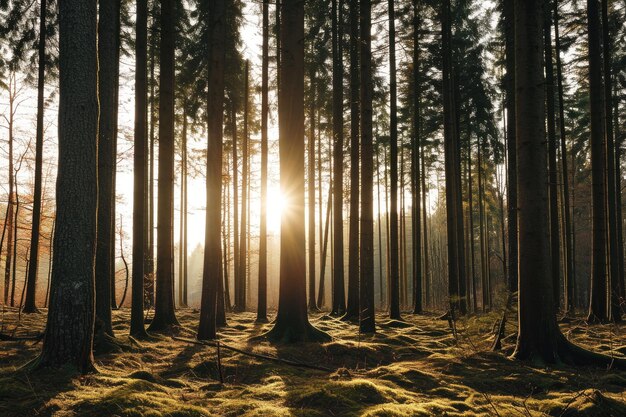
<point x="276" y="203"/>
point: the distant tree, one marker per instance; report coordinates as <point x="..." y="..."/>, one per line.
<point x="68" y="337"/>
<point x="140" y="166"/>
<point x="212" y="271"/>
<point x="292" y="324"/>
<point x="33" y="264"/>
<point x="164" y="315"/>
<point x="367" y="318"/>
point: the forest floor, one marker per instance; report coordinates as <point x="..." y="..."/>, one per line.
<point x="416" y="368"/>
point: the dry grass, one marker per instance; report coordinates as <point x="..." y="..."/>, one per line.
<point x="418" y="370"/>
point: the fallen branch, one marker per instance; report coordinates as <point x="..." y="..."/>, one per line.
<point x="255" y="355"/>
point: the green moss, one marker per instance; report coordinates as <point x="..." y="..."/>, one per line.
<point x="138" y="399"/>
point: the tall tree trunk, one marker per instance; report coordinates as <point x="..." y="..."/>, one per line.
<point x="10" y="215"/>
<point x="427" y="276"/>
<point x="243" y="247"/>
<point x="31" y="286"/>
<point x="567" y="223"/>
<point x="416" y="217"/>
<point x="484" y="253"/>
<point x="182" y="260"/>
<point x="140" y="223"/>
<point x="511" y="142"/>
<point x="108" y="83"/>
<point x="164" y="315"/>
<point x="471" y="225"/>
<point x="321" y="294"/>
<point x="235" y="200"/>
<point x="616" y="281"/>
<point x="292" y="324"/>
<point x="311" y="194"/>
<point x="367" y="319"/>
<point x="212" y="268"/>
<point x="598" y="293"/>
<point x="68" y="337"/>
<point x="555" y="249"/>
<point x="539" y="337"/>
<point x="352" y="308"/>
<point x="451" y="166"/>
<point x="394" y="272"/>
<point x="149" y="268"/>
<point x="381" y="299"/>
<point x="262" y="287"/>
<point x="339" y="296"/>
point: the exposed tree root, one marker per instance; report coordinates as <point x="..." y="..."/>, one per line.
<point x="287" y="333"/>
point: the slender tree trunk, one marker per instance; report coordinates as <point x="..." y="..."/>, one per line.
<point x="262" y="290"/>
<point x="31" y="286"/>
<point x="616" y="281"/>
<point x="380" y="232"/>
<point x="68" y="337"/>
<point x="292" y="324"/>
<point x="352" y="308"/>
<point x="451" y="166"/>
<point x="15" y="240"/>
<point x="484" y="253"/>
<point x="567" y="224"/>
<point x="471" y="225"/>
<point x="555" y="249"/>
<point x="416" y="190"/>
<point x="140" y="223"/>
<point x="511" y="143"/>
<point x="164" y="315"/>
<point x="598" y="296"/>
<point x="212" y="268"/>
<point x="427" y="276"/>
<point x="108" y="82"/>
<point x="394" y="271"/>
<point x="183" y="212"/>
<point x="367" y="319"/>
<point x="339" y="297"/>
<point x="311" y="194"/>
<point x="321" y="294"/>
<point x="243" y="248"/>
<point x="237" y="282"/>
<point x="8" y="221"/>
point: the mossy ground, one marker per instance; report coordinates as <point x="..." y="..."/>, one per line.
<point x="419" y="370"/>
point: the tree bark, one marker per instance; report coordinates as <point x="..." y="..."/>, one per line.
<point x="598" y="296"/>
<point x="68" y="336"/>
<point x="212" y="268"/>
<point x="339" y="296"/>
<point x="292" y="324"/>
<point x="367" y="318"/>
<point x="555" y="249"/>
<point x="164" y="315"/>
<point x="262" y="290"/>
<point x="140" y="223"/>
